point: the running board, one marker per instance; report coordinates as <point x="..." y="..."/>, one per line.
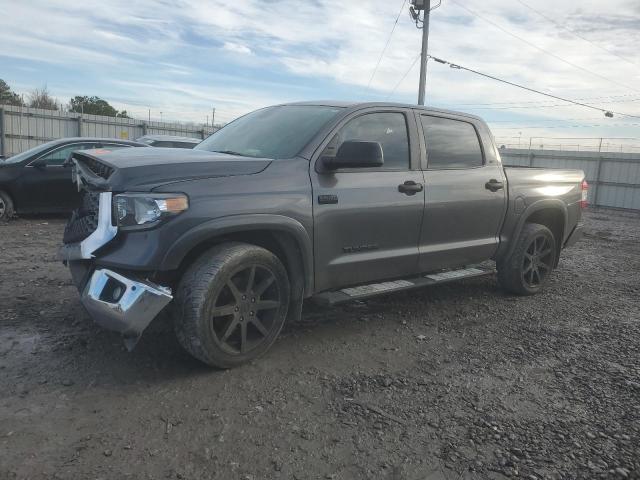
<point x="373" y="289"/>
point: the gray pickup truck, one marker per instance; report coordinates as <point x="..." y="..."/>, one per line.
<point x="324" y="200"/>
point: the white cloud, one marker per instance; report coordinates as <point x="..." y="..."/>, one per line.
<point x="237" y="48"/>
<point x="240" y="55"/>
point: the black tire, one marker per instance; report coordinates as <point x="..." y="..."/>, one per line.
<point x="528" y="268"/>
<point x="217" y="308"/>
<point x="6" y="207"/>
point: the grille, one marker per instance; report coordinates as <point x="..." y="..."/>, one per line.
<point x="84" y="220"/>
<point x="98" y="168"/>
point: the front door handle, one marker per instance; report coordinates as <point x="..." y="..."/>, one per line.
<point x="494" y="185"/>
<point x="410" y="187"/>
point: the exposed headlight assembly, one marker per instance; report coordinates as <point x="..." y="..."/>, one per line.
<point x="144" y="210"/>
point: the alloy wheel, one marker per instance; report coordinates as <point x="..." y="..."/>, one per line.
<point x="245" y="309"/>
<point x="538" y="261"/>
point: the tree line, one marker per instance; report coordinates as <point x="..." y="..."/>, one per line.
<point x="41" y="98"/>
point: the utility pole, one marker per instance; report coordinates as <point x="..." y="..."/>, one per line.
<point x="213" y="116"/>
<point x="416" y="7"/>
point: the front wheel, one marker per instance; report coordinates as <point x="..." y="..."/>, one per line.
<point x="231" y="304"/>
<point x="6" y="206"/>
<point x="528" y="268"/>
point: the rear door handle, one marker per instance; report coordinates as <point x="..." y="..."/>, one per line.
<point x="410" y="187"/>
<point x="494" y="185"/>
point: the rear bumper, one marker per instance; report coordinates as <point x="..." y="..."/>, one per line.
<point x="122" y="304"/>
<point x="575" y="235"/>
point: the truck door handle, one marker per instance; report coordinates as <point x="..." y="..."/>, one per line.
<point x="410" y="187"/>
<point x="494" y="185"/>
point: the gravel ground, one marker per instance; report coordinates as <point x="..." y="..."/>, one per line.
<point x="455" y="381"/>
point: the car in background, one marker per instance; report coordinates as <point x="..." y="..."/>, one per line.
<point x="36" y="181"/>
<point x="169" y="141"/>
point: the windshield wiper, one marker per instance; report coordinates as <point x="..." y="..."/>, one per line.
<point x="230" y="152"/>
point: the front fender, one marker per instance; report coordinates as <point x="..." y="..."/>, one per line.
<point x="242" y="223"/>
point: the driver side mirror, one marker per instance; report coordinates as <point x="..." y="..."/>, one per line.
<point x="356" y="154"/>
<point x="39" y="163"/>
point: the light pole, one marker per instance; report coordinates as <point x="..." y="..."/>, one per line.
<point x="416" y="7"/>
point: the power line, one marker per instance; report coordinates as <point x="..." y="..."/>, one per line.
<point x="405" y="75"/>
<point x="386" y="44"/>
<point x="547" y="52"/>
<point x="535" y="103"/>
<point x="516" y="107"/>
<point x="576" y="34"/>
<point x="590" y="119"/>
<point x="460" y="67"/>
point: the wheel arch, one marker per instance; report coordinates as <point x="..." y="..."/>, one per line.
<point x="552" y="213"/>
<point x="284" y="236"/>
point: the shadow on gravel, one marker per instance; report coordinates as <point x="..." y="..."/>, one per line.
<point x="66" y="347"/>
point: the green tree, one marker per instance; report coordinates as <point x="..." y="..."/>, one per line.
<point x="8" y="96"/>
<point x="94" y="106"/>
<point x="41" y="98"/>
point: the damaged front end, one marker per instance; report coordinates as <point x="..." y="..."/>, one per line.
<point x="115" y="300"/>
<point x="123" y="304"/>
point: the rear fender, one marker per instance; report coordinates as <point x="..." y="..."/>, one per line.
<point x="506" y="249"/>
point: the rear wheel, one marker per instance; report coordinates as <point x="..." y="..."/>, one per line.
<point x="6" y="206"/>
<point x="528" y="268"/>
<point x="231" y="304"/>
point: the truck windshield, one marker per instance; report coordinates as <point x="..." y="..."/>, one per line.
<point x="273" y="132"/>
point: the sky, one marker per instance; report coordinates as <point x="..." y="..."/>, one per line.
<point x="185" y="57"/>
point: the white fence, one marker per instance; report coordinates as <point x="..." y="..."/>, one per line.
<point x="614" y="178"/>
<point x="22" y="128"/>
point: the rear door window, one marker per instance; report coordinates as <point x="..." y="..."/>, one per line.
<point x="113" y="146"/>
<point x="451" y="143"/>
<point x="58" y="157"/>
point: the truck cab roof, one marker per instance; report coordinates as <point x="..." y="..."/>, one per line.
<point x="361" y="105"/>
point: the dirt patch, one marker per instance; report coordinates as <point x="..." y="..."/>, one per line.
<point x="455" y="381"/>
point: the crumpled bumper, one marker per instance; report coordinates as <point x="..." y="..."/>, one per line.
<point x="124" y="305"/>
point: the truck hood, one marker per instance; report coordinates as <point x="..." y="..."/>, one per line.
<point x="143" y="169"/>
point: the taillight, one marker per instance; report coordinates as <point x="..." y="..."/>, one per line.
<point x="585" y="191"/>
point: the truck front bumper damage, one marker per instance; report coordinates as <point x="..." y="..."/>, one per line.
<point x="124" y="305"/>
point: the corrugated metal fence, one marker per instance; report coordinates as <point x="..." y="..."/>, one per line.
<point x="614" y="178"/>
<point x="22" y="128"/>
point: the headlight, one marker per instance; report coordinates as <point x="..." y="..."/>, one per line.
<point x="145" y="209"/>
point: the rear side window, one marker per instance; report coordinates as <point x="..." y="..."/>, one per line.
<point x="58" y="157"/>
<point x="183" y="145"/>
<point x="451" y="143"/>
<point x="171" y="144"/>
<point x="113" y="146"/>
<point x="387" y="128"/>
